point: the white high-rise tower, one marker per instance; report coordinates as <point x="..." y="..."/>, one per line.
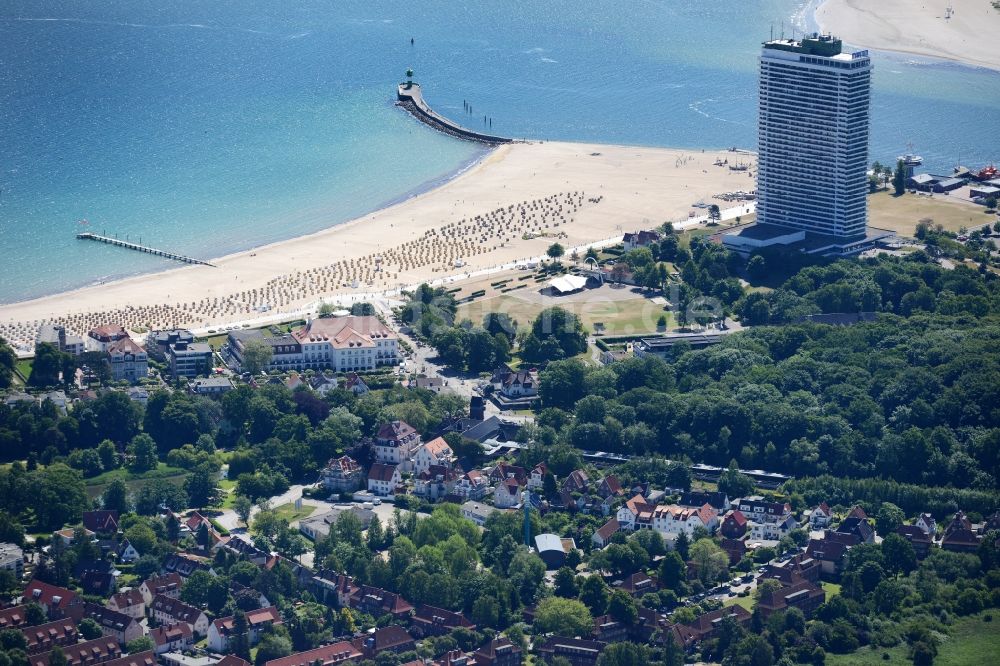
<point x="813" y="137"/>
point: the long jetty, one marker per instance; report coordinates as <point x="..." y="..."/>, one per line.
<point x="87" y="235"/>
<point x="411" y="98"/>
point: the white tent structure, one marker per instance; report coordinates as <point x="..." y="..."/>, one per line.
<point x="567" y="284"/>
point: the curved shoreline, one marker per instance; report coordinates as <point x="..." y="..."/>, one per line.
<point x="907" y="28"/>
<point x="460" y="227"/>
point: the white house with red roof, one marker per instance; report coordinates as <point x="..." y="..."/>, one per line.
<point x="347" y="343"/>
<point x="396" y="442"/>
<point x="821" y="516"/>
<point x="670" y="520"/>
<point x="434" y="452"/>
<point x="101" y="337"/>
<point x="355" y="384"/>
<point x="342" y="475"/>
<point x="472" y="486"/>
<point x="637" y="239"/>
<point x="383" y="479"/>
<point x="536" y="480"/>
<point x="221" y="630"/>
<point x="507" y="494"/>
<point x="129" y="362"/>
<point x="635" y="514"/>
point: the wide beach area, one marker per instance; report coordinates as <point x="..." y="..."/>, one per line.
<point x="511" y="206"/>
<point x="967" y="34"/>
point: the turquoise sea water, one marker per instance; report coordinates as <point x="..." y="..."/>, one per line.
<point x="208" y="127"/>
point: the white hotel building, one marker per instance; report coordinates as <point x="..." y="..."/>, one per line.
<point x="342" y="344"/>
<point x="812" y="182"/>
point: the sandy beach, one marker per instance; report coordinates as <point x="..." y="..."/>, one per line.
<point x="512" y="205"/>
<point x="918" y="27"/>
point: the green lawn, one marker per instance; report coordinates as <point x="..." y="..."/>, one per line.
<point x="23" y="368"/>
<point x="289" y="513"/>
<point x="831" y="589"/>
<point x="971" y="641"/>
<point x="97" y="484"/>
<point x="746" y="602"/>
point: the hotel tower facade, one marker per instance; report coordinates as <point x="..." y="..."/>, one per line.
<point x="813" y="137"/>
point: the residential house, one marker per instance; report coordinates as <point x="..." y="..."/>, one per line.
<point x="517" y="385"/>
<point x="610" y="487"/>
<point x="471" y="486"/>
<point x="61" y="339"/>
<point x="959" y="536"/>
<point x="129" y="362"/>
<point x="536" y="480"/>
<point x="761" y="511"/>
<point x="432" y="621"/>
<point x="639" y="584"/>
<point x="243" y="549"/>
<point x="799" y="568"/>
<point x="147" y="658"/>
<point x="127" y="552"/>
<point x="859" y="527"/>
<point x="211" y="386"/>
<point x="102" y="337"/>
<point x="221" y="630"/>
<point x="696" y="499"/>
<point x="577" y="651"/>
<point x="383" y="479"/>
<point x="102" y="522"/>
<point x="130" y="602"/>
<point x="332" y="588"/>
<point x="831" y="551"/>
<point x="635" y="514"/>
<point x="323" y="384"/>
<point x="123" y="627"/>
<point x="98" y="583"/>
<point x="803" y="595"/>
<point x="87" y="653"/>
<point x="12" y="559"/>
<point x="378" y="602"/>
<point x="175" y="637"/>
<point x="498" y="652"/>
<point x="13" y="616"/>
<point x="821" y="516"/>
<point x="395" y="443"/>
<point x="322" y="656"/>
<point x="185" y="564"/>
<point x="355" y="384"/>
<point x="68" y="535"/>
<point x="166" y="610"/>
<point x="392" y="638"/>
<point x="436" y="482"/>
<point x="637" y="239"/>
<point x="342" y="475"/>
<point x="927" y="524"/>
<point x="706" y="625"/>
<point x="435" y="452"/>
<point x="55" y="601"/>
<point x="671" y="519"/>
<point x="477" y="512"/>
<point x="576" y="481"/>
<point x="507" y="494"/>
<point x="503" y="471"/>
<point x="233" y="660"/>
<point x="734" y="524"/>
<point x="167" y="585"/>
<point x="602" y="536"/>
<point x="318" y="527"/>
<point x="44" y="637"/>
<point x="772" y="531"/>
<point x="920" y="540"/>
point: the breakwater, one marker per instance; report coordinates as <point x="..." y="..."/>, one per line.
<point x="411" y="98"/>
<point x="141" y="248"/>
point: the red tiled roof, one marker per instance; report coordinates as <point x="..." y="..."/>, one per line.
<point x="328" y="654"/>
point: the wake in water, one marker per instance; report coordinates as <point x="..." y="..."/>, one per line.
<point x="150" y="26"/>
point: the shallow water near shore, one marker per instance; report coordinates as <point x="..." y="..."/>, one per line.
<point x="206" y="128"/>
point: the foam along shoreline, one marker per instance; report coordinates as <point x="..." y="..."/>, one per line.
<point x="509" y="206"/>
<point x="967" y="35"/>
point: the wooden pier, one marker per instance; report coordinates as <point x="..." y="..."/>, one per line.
<point x="87" y="235"/>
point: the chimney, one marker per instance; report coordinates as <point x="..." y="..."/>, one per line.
<point x="477" y="408"/>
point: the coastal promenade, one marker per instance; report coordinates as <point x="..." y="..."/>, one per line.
<point x="412" y="99"/>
